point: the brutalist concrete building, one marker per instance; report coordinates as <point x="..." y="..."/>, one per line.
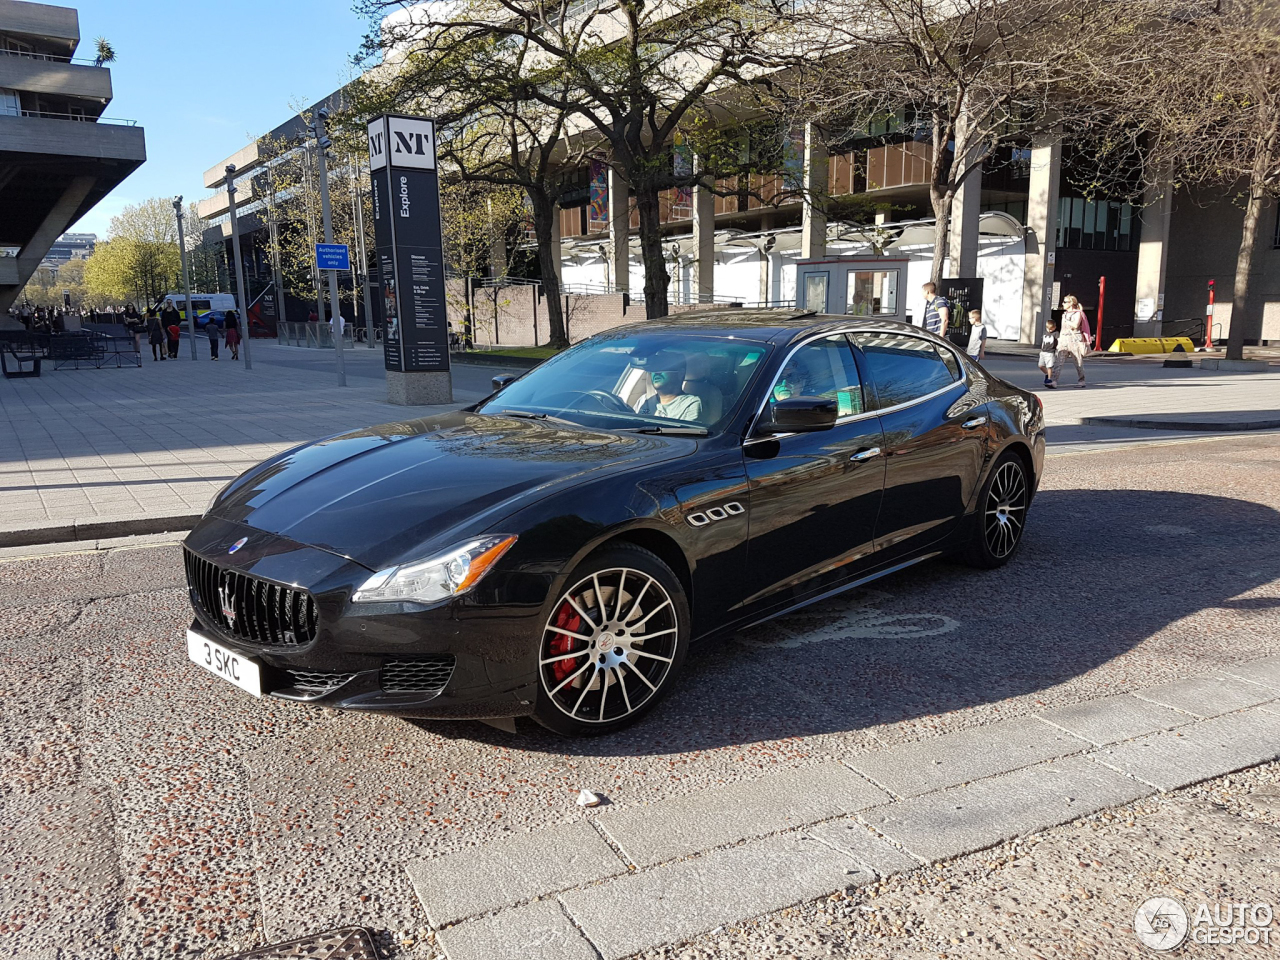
<point x="58" y="154"/>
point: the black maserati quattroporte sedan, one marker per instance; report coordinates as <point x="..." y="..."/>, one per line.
<point x="555" y="549"/>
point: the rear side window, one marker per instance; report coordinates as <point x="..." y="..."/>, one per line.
<point x="904" y="368"/>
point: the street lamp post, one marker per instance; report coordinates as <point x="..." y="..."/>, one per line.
<point x="364" y="253"/>
<point x="235" y="250"/>
<point x="326" y="215"/>
<point x="186" y="283"/>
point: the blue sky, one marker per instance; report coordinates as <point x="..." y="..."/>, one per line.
<point x="205" y="77"/>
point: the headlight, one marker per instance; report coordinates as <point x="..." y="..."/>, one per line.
<point x="447" y="575"/>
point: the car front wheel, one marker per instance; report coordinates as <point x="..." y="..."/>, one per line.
<point x="613" y="643"/>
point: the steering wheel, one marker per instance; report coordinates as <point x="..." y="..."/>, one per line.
<point x="607" y="401"/>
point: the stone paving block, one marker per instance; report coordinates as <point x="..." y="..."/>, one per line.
<point x="978" y="815"/>
<point x="506" y="872"/>
<point x="536" y="931"/>
<point x="1200" y="751"/>
<point x="911" y="769"/>
<point x="1265" y="672"/>
<point x="1112" y="719"/>
<point x="1207" y="696"/>
<point x="680" y="900"/>
<point x="851" y="836"/>
<point x="653" y="833"/>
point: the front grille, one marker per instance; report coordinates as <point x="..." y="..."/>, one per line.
<point x="263" y="613"/>
<point x="316" y="681"/>
<point x="429" y="675"/>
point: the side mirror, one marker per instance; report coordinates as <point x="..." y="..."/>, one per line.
<point x="799" y="415"/>
<point x="500" y="382"/>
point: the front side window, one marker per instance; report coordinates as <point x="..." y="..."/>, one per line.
<point x="904" y="368"/>
<point x="824" y="368"/>
<point x="617" y="381"/>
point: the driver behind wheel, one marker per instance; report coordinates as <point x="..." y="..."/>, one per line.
<point x="666" y="373"/>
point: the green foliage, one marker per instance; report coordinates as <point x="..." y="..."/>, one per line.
<point x="139" y="262"/>
<point x="106" y="52"/>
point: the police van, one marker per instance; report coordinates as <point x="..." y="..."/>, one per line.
<point x="202" y="304"/>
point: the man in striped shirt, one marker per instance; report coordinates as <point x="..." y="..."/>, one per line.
<point x="937" y="312"/>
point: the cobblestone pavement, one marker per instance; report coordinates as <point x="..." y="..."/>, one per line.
<point x="161" y="440"/>
<point x="150" y="810"/>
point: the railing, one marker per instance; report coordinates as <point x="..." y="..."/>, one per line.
<point x="317" y="335"/>
<point x="51" y="57"/>
<point x="80" y="117"/>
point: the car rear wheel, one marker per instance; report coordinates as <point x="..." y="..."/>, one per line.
<point x="613" y="643"/>
<point x="1002" y="514"/>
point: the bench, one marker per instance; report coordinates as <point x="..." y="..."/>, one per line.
<point x="21" y="347"/>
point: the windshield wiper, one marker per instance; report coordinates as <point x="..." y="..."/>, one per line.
<point x="673" y="431"/>
<point x="526" y="415"/>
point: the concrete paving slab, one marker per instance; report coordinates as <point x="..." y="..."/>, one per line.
<point x="1264" y="672"/>
<point x="506" y="872"/>
<point x="654" y="833"/>
<point x="852" y="837"/>
<point x="911" y="769"/>
<point x="1207" y="696"/>
<point x="1198" y="752"/>
<point x="536" y="931"/>
<point x="1112" y="719"/>
<point x="977" y="815"/>
<point x="680" y="900"/>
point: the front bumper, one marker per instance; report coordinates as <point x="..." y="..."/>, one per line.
<point x="464" y="658"/>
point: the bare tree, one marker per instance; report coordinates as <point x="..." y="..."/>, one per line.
<point x="963" y="76"/>
<point x="1193" y="90"/>
<point x="617" y="79"/>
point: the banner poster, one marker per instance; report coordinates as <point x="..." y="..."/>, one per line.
<point x="598" y="210"/>
<point x="682" y="166"/>
<point x="410" y="295"/>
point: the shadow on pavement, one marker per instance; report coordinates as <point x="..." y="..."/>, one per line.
<point x="1099" y="574"/>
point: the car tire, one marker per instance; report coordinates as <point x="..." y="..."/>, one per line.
<point x="612" y="642"/>
<point x="1001" y="516"/>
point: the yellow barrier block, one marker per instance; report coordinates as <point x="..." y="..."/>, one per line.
<point x="1151" y="345"/>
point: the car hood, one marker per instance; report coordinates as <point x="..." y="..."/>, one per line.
<point x="382" y="495"/>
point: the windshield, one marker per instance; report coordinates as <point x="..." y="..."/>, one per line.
<point x="666" y="382"/>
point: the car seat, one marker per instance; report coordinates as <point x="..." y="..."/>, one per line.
<point x="697" y="373"/>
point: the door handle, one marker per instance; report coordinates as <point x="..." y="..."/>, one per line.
<point x="974" y="423"/>
<point x="869" y="454"/>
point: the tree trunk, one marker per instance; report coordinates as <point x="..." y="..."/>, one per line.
<point x="941" y="233"/>
<point x="544" y="212"/>
<point x="1241" y="298"/>
<point x="655" y="265"/>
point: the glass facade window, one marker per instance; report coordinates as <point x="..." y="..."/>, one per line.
<point x="1096" y="224"/>
<point x="1015" y="208"/>
<point x="815" y="292"/>
<point x="872" y="293"/>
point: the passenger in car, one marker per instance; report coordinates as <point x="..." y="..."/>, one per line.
<point x="666" y="373"/>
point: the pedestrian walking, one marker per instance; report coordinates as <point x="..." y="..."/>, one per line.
<point x="937" y="311"/>
<point x="977" y="348"/>
<point x="1049" y="351"/>
<point x="1074" y="339"/>
<point x="174" y="334"/>
<point x="214" y="332"/>
<point x="233" y="334"/>
<point x="155" y="336"/>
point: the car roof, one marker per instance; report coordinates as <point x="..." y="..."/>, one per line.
<point x="764" y="324"/>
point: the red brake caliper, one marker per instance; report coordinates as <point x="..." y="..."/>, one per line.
<point x="568" y="619"/>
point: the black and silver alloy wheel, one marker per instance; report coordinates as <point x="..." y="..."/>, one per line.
<point x="1002" y="514"/>
<point x="611" y="644"/>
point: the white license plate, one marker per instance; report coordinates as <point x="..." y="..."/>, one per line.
<point x="243" y="671"/>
